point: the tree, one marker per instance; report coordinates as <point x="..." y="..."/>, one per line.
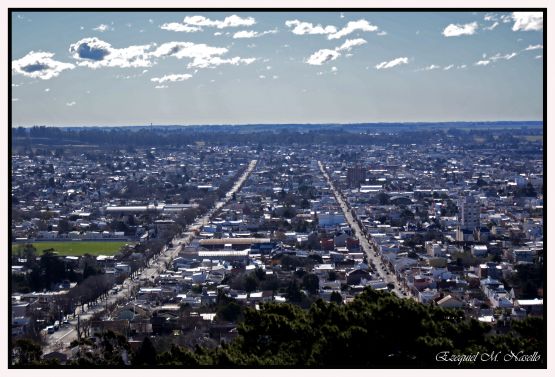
<point x="250" y="283"/>
<point x="52" y="269"/>
<point x="26" y="352"/>
<point x="64" y="226"/>
<point x="260" y="274"/>
<point x="382" y="198"/>
<point x="146" y="354"/>
<point x="293" y="292"/>
<point x="336" y="297"/>
<point x="311" y="283"/>
<point x="229" y="311"/>
<point x="377" y="329"/>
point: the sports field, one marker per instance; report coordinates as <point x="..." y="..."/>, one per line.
<point x="77" y="248"/>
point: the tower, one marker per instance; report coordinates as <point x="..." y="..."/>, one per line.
<point x="470" y="213"/>
<point x="355" y="175"/>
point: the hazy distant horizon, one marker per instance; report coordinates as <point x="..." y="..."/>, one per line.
<point x="525" y="123"/>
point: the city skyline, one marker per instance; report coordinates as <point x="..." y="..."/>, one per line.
<point x="107" y="68"/>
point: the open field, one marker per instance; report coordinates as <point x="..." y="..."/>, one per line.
<point x="78" y="248"/>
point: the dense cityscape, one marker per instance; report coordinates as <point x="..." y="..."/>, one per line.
<point x="254" y="188"/>
<point x="141" y="255"/>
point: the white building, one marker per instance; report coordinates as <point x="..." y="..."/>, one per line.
<point x="470" y="213"/>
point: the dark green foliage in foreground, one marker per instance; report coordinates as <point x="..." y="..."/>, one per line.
<point x="376" y="330"/>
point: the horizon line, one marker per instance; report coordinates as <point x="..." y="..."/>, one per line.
<point x="280" y="124"/>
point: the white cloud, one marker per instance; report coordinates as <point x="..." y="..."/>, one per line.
<point x="171" y="78"/>
<point x="261" y="77"/>
<point x="431" y="67"/>
<point x="47" y="90"/>
<point x="95" y="53"/>
<point x="72" y="103"/>
<point x="334" y="69"/>
<point x="490" y="17"/>
<point x="382" y="33"/>
<point x="392" y="63"/>
<point x="492" y="26"/>
<point x="176" y="26"/>
<point x="39" y="65"/>
<point x="533" y="47"/>
<point x="454" y="30"/>
<point x="216" y="33"/>
<point x="323" y="56"/>
<point x="230" y="21"/>
<point x="350" y="43"/>
<point x="508" y="56"/>
<point x="245" y="34"/>
<point x="160" y="87"/>
<point x="538" y="57"/>
<point x="448" y="67"/>
<point x="482" y="62"/>
<point x="527" y="21"/>
<point x="195" y="23"/>
<point x="462" y="66"/>
<point x="275" y="77"/>
<point x="352" y="26"/>
<point x="302" y="28"/>
<point x="150" y="21"/>
<point x="212" y="62"/>
<point x="496" y="57"/>
<point x="200" y="54"/>
<point x="326" y="55"/>
<point x="252" y="33"/>
<point x="102" y="28"/>
<point x="15" y="99"/>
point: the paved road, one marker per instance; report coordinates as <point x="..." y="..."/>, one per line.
<point x="68" y="333"/>
<point x="366" y="247"/>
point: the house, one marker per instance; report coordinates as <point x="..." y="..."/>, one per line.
<point x="479" y="250"/>
<point x="355" y="276"/>
<point x="117" y="326"/>
<point x="449" y="302"/>
<point x="532" y="307"/>
<point x="427" y="296"/>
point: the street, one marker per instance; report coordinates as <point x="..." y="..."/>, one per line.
<point x="369" y="250"/>
<point x="67" y="333"/>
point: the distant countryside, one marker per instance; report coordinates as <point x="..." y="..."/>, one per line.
<point x="78" y="248"/>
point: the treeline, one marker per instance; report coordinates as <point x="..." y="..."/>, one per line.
<point x="376" y="330"/>
<point x="186" y="136"/>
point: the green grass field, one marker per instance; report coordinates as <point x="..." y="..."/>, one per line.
<point x="77" y="248"/>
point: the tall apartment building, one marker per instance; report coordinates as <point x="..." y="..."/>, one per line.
<point x="470" y="213"/>
<point x="355" y="175"/>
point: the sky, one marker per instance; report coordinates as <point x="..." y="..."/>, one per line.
<point x="137" y="68"/>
